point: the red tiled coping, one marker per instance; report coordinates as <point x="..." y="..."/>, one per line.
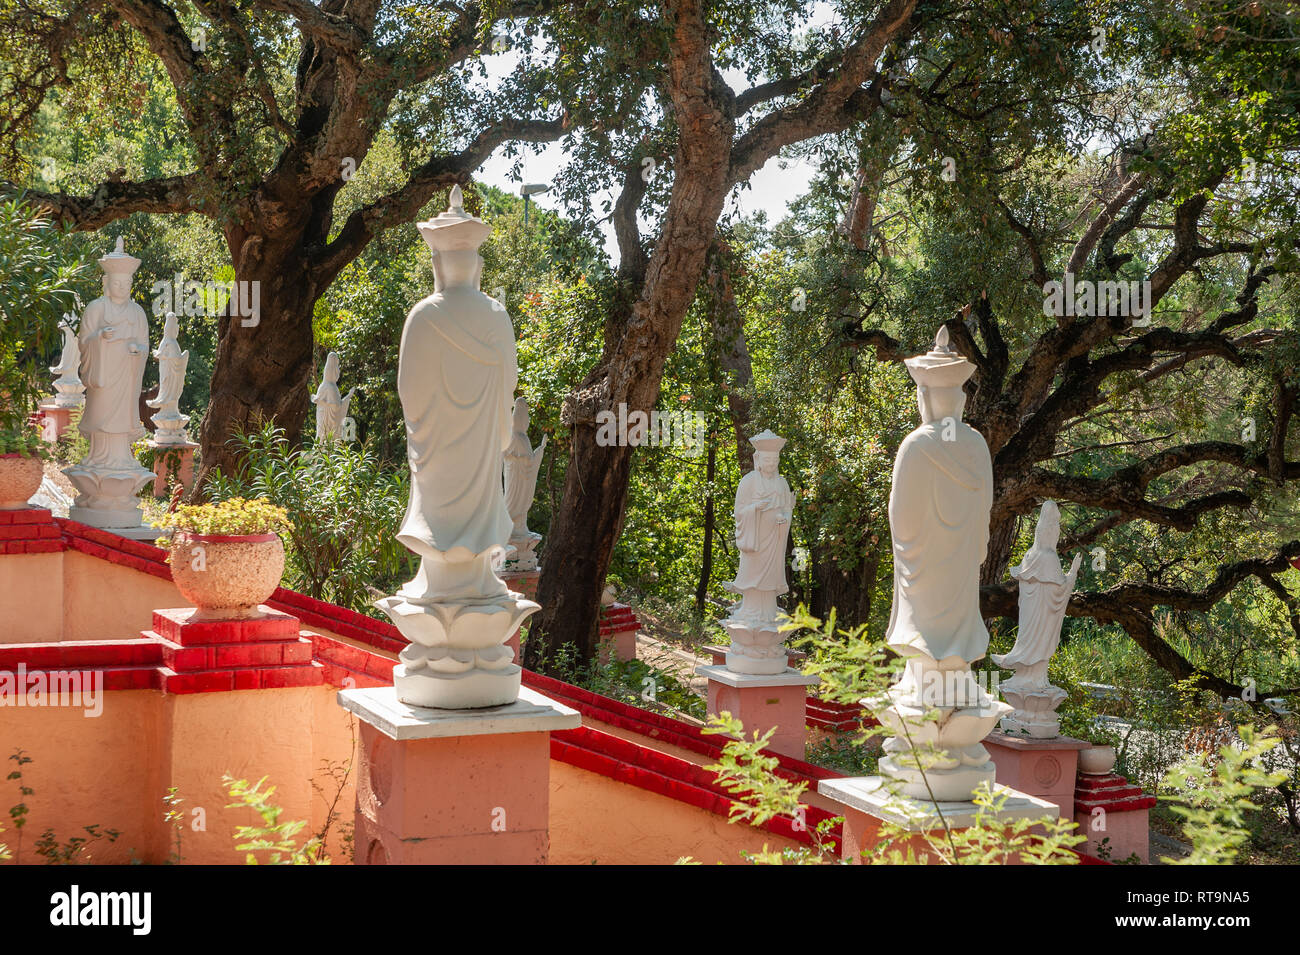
<point x="671" y="776"/>
<point x="1112" y="793"/>
<point x="618" y="618"/>
<point x="839" y="717"/>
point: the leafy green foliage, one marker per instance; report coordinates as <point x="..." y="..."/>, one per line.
<point x="853" y="667"/>
<point x="231" y="515"/>
<point x="275" y="838"/>
<point x="342" y="512"/>
<point x="1213" y="796"/>
<point x="37" y="285"/>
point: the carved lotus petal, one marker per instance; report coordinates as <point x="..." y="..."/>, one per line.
<point x="966" y="727"/>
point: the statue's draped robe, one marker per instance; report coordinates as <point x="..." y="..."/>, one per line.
<point x="456" y="381"/>
<point x="329" y="411"/>
<point x="760" y="539"/>
<point x="112" y="375"/>
<point x="939" y="520"/>
<point x="1043" y="598"/>
<point x="171" y="373"/>
<point x="521" y="465"/>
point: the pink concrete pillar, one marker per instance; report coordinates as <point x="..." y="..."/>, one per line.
<point x="454" y="787"/>
<point x="1041" y="767"/>
<point x="1112" y="813"/>
<point x="762" y="703"/>
<point x="172" y="462"/>
<point x="866" y="804"/>
<point x="55" y="420"/>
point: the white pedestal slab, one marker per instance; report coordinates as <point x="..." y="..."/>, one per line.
<point x="868" y="805"/>
<point x="790" y="677"/>
<point x="531" y="713"/>
<point x="868" y="794"/>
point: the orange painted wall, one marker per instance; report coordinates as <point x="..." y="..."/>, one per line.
<point x="595" y="819"/>
<point x="31" y="598"/>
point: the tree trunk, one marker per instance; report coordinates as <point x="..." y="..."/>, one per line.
<point x="847" y="592"/>
<point x="578" y="548"/>
<point x="1001" y="538"/>
<point x="261" y="371"/>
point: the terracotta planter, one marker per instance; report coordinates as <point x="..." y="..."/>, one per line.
<point x="20" y="478"/>
<point x="226" y="576"/>
<point x="1097" y="760"/>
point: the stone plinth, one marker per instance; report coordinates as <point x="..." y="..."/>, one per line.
<point x="619" y="626"/>
<point x="267" y="652"/>
<point x="866" y="805"/>
<point x="1112" y="813"/>
<point x="55" y="419"/>
<point x="1041" y="767"/>
<point x="172" y="462"/>
<point x="763" y="702"/>
<point x="454" y="787"/>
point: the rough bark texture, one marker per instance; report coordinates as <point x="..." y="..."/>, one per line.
<point x="728" y="326"/>
<point x="848" y="593"/>
<point x="277" y="220"/>
<point x="709" y="159"/>
<point x="582" y="535"/>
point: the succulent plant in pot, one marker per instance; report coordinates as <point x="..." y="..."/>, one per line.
<point x="227" y="557"/>
<point x="22" y="465"/>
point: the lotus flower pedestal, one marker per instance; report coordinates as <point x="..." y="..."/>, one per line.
<point x="107" y="499"/>
<point x="459" y="656"/>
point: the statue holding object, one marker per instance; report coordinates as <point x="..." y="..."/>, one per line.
<point x="69" y="390"/>
<point x="331" y="406"/>
<point x="520" y="466"/>
<point x="172" y="362"/>
<point x="763" y="511"/>
<point x="114" y="342"/>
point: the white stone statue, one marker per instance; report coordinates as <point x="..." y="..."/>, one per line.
<point x="456" y="379"/>
<point x="764" y="508"/>
<point x="939" y="520"/>
<point x="1044" y="593"/>
<point x="172" y="362"/>
<point x="520" y="468"/>
<point x="114" y="340"/>
<point x="67" y="383"/>
<point x="331" y="406"/>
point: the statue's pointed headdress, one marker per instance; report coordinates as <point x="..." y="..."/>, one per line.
<point x="941" y="366"/>
<point x="118" y="260"/>
<point x="455" y="229"/>
<point x="767" y="441"/>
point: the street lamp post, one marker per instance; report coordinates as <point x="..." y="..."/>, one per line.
<point x="532" y="189"/>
